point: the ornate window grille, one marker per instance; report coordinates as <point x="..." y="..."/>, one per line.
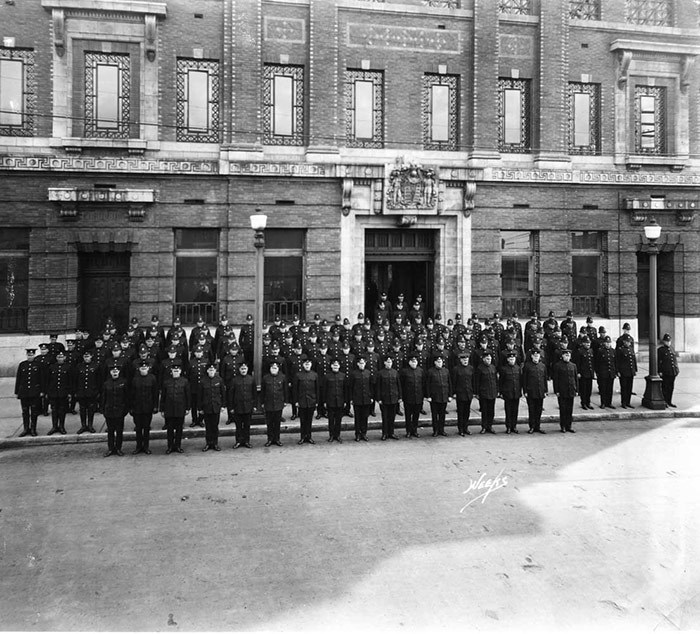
<point x="650" y="120"/>
<point x="439" y="111"/>
<point x="17" y="92"/>
<point x="198" y="95"/>
<point x="283" y="104"/>
<point x="584" y="118"/>
<point x="107" y="90"/>
<point x="517" y="7"/>
<point x="514" y="115"/>
<point x="584" y="9"/>
<point x="650" y="12"/>
<point x="364" y="103"/>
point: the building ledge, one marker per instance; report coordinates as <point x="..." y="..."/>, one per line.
<point x="667" y="48"/>
<point x="79" y="194"/>
<point x="75" y="145"/>
<point x="637" y="161"/>
<point x="113" y="6"/>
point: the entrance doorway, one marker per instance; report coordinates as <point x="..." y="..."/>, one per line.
<point x="399" y="261"/>
<point x="103" y="280"/>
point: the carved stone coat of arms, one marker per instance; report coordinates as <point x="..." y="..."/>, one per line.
<point x="411" y="187"/>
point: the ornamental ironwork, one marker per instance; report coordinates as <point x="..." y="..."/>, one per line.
<point x="650" y="12"/>
<point x="593" y="144"/>
<point x="584" y="9"/>
<point x="295" y="105"/>
<point x="117" y="128"/>
<point x="376" y="78"/>
<point x="210" y="133"/>
<point x="411" y="187"/>
<point x="428" y="111"/>
<point x="516" y="7"/>
<point x="20" y="119"/>
<point x="650" y="120"/>
<point x="523" y="87"/>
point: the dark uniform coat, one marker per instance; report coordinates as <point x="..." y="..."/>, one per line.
<point x="306" y="389"/>
<point x="438" y="385"/>
<point x="273" y="392"/>
<point x="534" y="379"/>
<point x="242" y="394"/>
<point x="510" y="381"/>
<point x="463" y="382"/>
<point x="486" y="381"/>
<point x="412" y="385"/>
<point x="175" y="397"/>
<point x="115" y="397"/>
<point x="211" y="394"/>
<point x="565" y="379"/>
<point x="28" y="381"/>
<point x="143" y="394"/>
<point x="388" y="386"/>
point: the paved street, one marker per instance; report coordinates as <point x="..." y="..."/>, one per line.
<point x="598" y="528"/>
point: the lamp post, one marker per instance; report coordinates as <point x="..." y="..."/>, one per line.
<point x="258" y="222"/>
<point x="653" y="397"/>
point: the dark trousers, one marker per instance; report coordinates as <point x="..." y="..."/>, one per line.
<point x="211" y="429"/>
<point x="87" y="411"/>
<point x="115" y="433"/>
<point x="335" y="417"/>
<point x="44" y="405"/>
<point x="59" y="407"/>
<point x="511" y="406"/>
<point x="196" y="418"/>
<point x="295" y="409"/>
<point x="242" y="427"/>
<point x="667" y="384"/>
<point x="174" y="426"/>
<point x="566" y="409"/>
<point x="321" y="409"/>
<point x="605" y="387"/>
<point x="463" y="412"/>
<point x="273" y="420"/>
<point x="71" y="404"/>
<point x="142" y="425"/>
<point x="534" y="412"/>
<point x="437" y="413"/>
<point x="626" y="389"/>
<point x="306" y="416"/>
<point x="361" y="415"/>
<point x="585" y="388"/>
<point x="488" y="408"/>
<point x="412" y="414"/>
<point x="388" y="418"/>
<point x="30" y="412"/>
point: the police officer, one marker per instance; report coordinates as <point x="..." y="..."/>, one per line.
<point x="143" y="403"/>
<point x="273" y="396"/>
<point x="361" y="388"/>
<point x="565" y="383"/>
<point x="668" y="368"/>
<point x="87" y="383"/>
<point x="535" y="388"/>
<point x="510" y="388"/>
<point x="585" y="364"/>
<point x="211" y="398"/>
<point x="334" y="396"/>
<point x="388" y="395"/>
<point x="115" y="398"/>
<point x="438" y="390"/>
<point x="28" y="389"/>
<point x="175" y="402"/>
<point x="413" y="392"/>
<point x="606" y="371"/>
<point x="242" y="396"/>
<point x="486" y="389"/>
<point x="197" y="371"/>
<point x="305" y="395"/>
<point x="463" y="386"/>
<point x="626" y="363"/>
<point x="59" y="387"/>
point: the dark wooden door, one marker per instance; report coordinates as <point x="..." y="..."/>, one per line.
<point x="104" y="289"/>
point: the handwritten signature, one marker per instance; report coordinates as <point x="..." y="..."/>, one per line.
<point x="484" y="486"/>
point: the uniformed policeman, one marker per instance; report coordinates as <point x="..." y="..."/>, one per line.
<point x="361" y="388"/>
<point x="668" y="368"/>
<point x="565" y="383"/>
<point x="626" y="363"/>
<point x="334" y="396"/>
<point x="413" y="393"/>
<point x="273" y="396"/>
<point x="175" y="402"/>
<point x="28" y="389"/>
<point x="242" y="396"/>
<point x="438" y="390"/>
<point x="115" y="405"/>
<point x="486" y="389"/>
<point x="388" y="395"/>
<point x="87" y="383"/>
<point x="305" y="394"/>
<point x="534" y="383"/>
<point x="143" y="403"/>
<point x="212" y="399"/>
<point x="510" y="388"/>
<point x="463" y="387"/>
<point x="59" y="387"/>
<point x="606" y="371"/>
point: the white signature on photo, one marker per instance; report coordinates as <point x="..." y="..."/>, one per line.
<point x="484" y="486"/>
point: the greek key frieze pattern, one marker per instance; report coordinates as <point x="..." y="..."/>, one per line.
<point x="404" y="38"/>
<point x="95" y="164"/>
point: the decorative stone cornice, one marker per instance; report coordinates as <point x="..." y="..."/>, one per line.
<point x="112" y="6"/>
<point x="70" y="198"/>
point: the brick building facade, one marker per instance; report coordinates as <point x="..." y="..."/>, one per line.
<point x="491" y="155"/>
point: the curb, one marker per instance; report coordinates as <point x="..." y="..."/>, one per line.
<point x="319" y="427"/>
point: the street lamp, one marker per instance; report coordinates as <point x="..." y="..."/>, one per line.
<point x="653" y="397"/>
<point x="258" y="222"/>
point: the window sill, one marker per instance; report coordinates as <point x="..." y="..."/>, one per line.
<point x="75" y="145"/>
<point x="637" y="161"/>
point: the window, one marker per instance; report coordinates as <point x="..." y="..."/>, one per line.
<point x="584" y="9"/>
<point x="650" y="12"/>
<point x="364" y="99"/>
<point x="283" y="104"/>
<point x="517" y="7"/>
<point x="584" y="118"/>
<point x="650" y="119"/>
<point x="518" y="279"/>
<point x="514" y="115"/>
<point x="14" y="279"/>
<point x="198" y="100"/>
<point x="107" y="89"/>
<point x="17" y="92"/>
<point x="284" y="273"/>
<point x="439" y="109"/>
<point x="586" y="274"/>
<point x="196" y="274"/>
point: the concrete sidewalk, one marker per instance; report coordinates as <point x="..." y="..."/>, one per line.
<point x="686" y="397"/>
